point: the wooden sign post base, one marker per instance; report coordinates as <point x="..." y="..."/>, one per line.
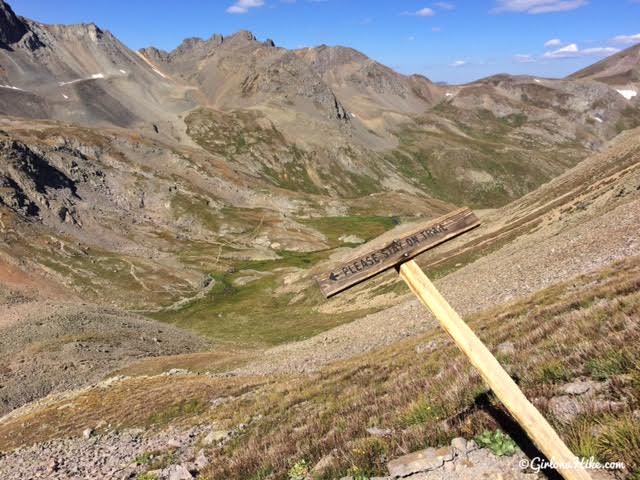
<point x="398" y="254"/>
<point x="528" y="416"/>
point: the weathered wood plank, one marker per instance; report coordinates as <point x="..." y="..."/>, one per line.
<point x="427" y="236"/>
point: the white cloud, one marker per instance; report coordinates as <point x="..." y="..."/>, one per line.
<point x="626" y="39"/>
<point x="554" y="42"/>
<point x="243" y="6"/>
<point x="425" y="12"/>
<point x="534" y="7"/>
<point x="444" y="5"/>
<point x="458" y="63"/>
<point x="598" y="51"/>
<point x="523" y="58"/>
<point x="572" y="51"/>
<point x="436" y="29"/>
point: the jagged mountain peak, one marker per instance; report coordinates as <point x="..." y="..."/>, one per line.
<point x="12" y="28"/>
<point x="199" y="47"/>
<point x="243" y="35"/>
<point x="77" y="31"/>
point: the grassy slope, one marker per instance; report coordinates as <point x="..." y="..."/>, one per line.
<point x="505" y="161"/>
<point x="462" y="157"/>
<point x="421" y="388"/>
<point x="588" y="327"/>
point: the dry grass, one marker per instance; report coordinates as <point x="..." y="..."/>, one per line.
<point x="141" y="401"/>
<point x="220" y="360"/>
<point x="427" y="398"/>
<point x="422" y="389"/>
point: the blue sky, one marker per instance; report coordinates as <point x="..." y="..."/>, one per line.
<point x="453" y="41"/>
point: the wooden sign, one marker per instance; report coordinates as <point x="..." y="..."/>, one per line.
<point x="414" y="243"/>
<point x="399" y="253"/>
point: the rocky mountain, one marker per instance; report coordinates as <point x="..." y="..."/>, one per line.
<point x="367" y="87"/>
<point x="12" y="29"/>
<point x="324" y="120"/>
<point x="79" y="74"/>
<point x="240" y="72"/>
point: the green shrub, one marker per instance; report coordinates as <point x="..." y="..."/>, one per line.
<point x="299" y="470"/>
<point x="357" y="473"/>
<point x="147" y="476"/>
<point x="422" y="411"/>
<point x="620" y="441"/>
<point x="499" y="443"/>
<point x="368" y="456"/>
<point x="553" y="371"/>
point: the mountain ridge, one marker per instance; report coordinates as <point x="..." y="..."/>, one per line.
<point x="622" y="68"/>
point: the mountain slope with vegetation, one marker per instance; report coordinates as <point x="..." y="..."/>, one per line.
<point x="163" y="214"/>
<point x="542" y="261"/>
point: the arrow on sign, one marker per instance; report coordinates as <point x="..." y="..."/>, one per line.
<point x="333" y="277"/>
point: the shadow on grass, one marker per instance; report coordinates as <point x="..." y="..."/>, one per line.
<point x="484" y="402"/>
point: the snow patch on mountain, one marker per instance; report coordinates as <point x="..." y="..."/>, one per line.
<point x="628" y="94"/>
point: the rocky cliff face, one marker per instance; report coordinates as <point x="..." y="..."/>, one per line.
<point x="12" y="29"/>
<point x="33" y="187"/>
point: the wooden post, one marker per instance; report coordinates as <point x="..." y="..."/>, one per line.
<point x="536" y="426"/>
<point x="398" y="254"/>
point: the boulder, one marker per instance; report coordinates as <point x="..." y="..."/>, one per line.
<point x="459" y="446"/>
<point x="420" y="461"/>
<point x="379" y="432"/>
<point x="351" y="239"/>
<point x="506" y="348"/>
<point x="177" y="472"/>
<point x="580" y="387"/>
<point x="216" y="436"/>
<point x="201" y="460"/>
